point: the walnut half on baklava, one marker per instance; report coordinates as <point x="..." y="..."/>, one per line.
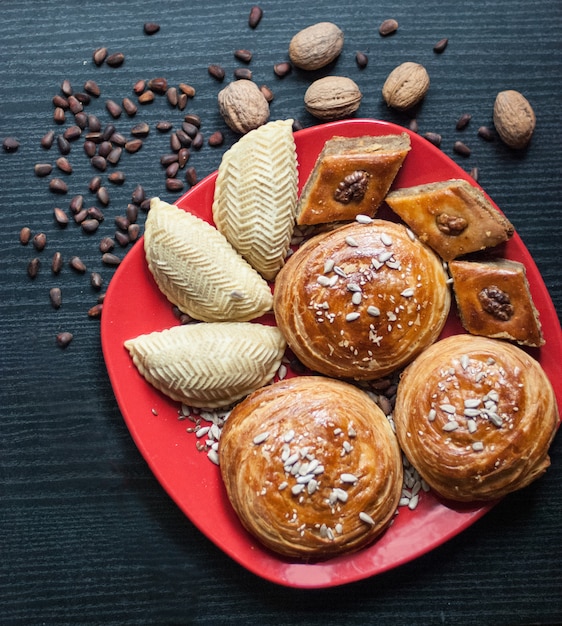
<point x="351" y="176"/>
<point x="494" y="300"/>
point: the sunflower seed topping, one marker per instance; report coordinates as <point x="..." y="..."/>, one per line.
<point x="348" y="478"/>
<point x="363" y="219"/>
<point x="448" y="408"/>
<point x="364" y="517"/>
<point x="261" y="437"/>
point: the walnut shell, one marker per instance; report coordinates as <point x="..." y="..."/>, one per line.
<point x="332" y="98"/>
<point x="406" y="85"/>
<point x="514" y="118"/>
<point x="316" y="46"/>
<point x="243" y="106"/>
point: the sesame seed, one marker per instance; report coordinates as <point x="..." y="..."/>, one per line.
<point x="373" y="311"/>
<point x="408" y="293"/>
<point x="350" y="241"/>
<point x="386" y="239"/>
<point x="322" y="280"/>
<point x="478" y="446"/>
<point x="432" y="415"/>
<point x="356" y="298"/>
<point x="351" y="317"/>
<point x="450" y="426"/>
<point x="348" y="478"/>
<point x="329" y="265"/>
<point x="353" y="287"/>
<point x="410" y="234"/>
<point x="472" y="426"/>
<point x="283" y="485"/>
<point x="338" y="270"/>
<point x="237" y="295"/>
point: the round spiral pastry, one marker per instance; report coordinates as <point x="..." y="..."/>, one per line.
<point x="361" y="301"/>
<point x="311" y="466"/>
<point x="476" y="416"/>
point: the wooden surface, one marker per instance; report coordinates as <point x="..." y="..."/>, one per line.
<point x="87" y="533"/>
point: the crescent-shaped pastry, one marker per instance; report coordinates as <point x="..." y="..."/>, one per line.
<point x="209" y="364"/>
<point x="351" y="176"/>
<point x="255" y="198"/>
<point x="198" y="270"/>
<point x="311" y="467"/>
<point x="494" y="300"/>
<point x="451" y="216"/>
<point x="361" y="301"/>
<point x="476" y="416"/>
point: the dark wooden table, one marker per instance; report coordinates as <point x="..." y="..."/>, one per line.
<point x="87" y="533"/>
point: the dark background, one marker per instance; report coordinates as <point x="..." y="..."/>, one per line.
<point x="87" y="534"/>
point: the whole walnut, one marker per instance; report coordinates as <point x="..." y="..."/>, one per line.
<point x="243" y="106"/>
<point x="514" y="118"/>
<point x="316" y="46"/>
<point x="405" y="86"/>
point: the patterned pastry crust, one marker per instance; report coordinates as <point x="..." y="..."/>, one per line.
<point x="311" y="467"/>
<point x="255" y="198"/>
<point x="476" y="416"/>
<point x="494" y="300"/>
<point x="209" y="364"/>
<point x="452" y="217"/>
<point x="361" y="301"/>
<point x="198" y="270"/>
<point x="352" y="175"/>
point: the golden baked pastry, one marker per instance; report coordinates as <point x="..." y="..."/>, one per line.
<point x="452" y="217"/>
<point x="198" y="270"/>
<point x="351" y="176"/>
<point x="255" y="196"/>
<point x="311" y="467"/>
<point x="476" y="416"/>
<point x="208" y="364"/>
<point x="494" y="300"/>
<point x="361" y="301"/>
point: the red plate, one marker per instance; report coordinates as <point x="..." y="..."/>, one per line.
<point x="134" y="305"/>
